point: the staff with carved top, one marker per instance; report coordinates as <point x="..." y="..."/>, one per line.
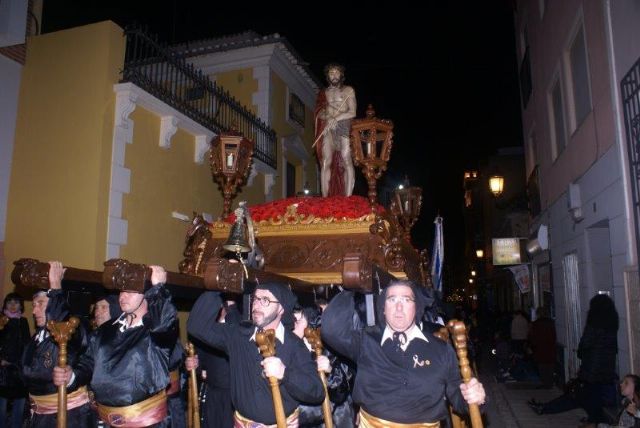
<point x="313" y="338"/>
<point x="266" y="342"/>
<point x="193" y="415"/>
<point x="291" y="365"/>
<point x="403" y="373"/>
<point x="61" y="332"/>
<point x="458" y="333"/>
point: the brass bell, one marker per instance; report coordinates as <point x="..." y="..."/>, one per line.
<point x="237" y="240"/>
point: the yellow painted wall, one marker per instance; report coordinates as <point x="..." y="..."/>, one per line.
<point x="241" y="85"/>
<point x="58" y="195"/>
<point x="163" y="181"/>
<point x="283" y="128"/>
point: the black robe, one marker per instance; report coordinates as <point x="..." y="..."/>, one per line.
<point x="129" y="366"/>
<point x="41" y="356"/>
<point x="217" y="411"/>
<point x="250" y="391"/>
<point x="410" y="386"/>
<point x="14" y="337"/>
<point x="176" y="401"/>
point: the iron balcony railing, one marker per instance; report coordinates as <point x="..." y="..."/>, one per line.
<point x="630" y="92"/>
<point x="166" y="75"/>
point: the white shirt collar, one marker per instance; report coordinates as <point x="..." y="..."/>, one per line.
<point x="42" y="335"/>
<point x="279" y="333"/>
<point x="123" y="320"/>
<point x="412" y="333"/>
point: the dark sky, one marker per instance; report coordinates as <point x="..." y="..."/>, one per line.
<point x="446" y="75"/>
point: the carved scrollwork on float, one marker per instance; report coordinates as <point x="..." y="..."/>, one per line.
<point x="356" y="271"/>
<point x="30" y="273"/>
<point x="196" y="242"/>
<point x="223" y="275"/>
<point x="121" y="275"/>
<point x="289" y="255"/>
<point x="423" y="266"/>
<point x="387" y="228"/>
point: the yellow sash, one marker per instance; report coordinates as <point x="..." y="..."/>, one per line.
<point x="368" y="421"/>
<point x="48" y="404"/>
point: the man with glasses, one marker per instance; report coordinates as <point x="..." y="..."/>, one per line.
<point x="405" y="376"/>
<point x="271" y="308"/>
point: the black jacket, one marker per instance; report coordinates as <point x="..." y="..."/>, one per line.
<point x="597" y="351"/>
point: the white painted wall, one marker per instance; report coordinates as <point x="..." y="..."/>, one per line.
<point x="602" y="195"/>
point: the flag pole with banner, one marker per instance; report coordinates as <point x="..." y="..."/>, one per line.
<point x="437" y="258"/>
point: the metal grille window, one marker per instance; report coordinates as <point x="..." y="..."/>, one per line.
<point x="572" y="310"/>
<point x="630" y="90"/>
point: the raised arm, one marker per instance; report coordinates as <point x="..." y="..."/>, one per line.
<point x="161" y="317"/>
<point x="338" y="329"/>
<point x="202" y="321"/>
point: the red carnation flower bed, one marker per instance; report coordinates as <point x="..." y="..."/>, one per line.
<point x="338" y="207"/>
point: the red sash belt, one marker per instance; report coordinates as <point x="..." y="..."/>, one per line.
<point x="148" y="412"/>
<point x="48" y="404"/>
<point x="174" y="382"/>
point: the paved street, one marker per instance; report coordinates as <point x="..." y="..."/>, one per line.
<point x="508" y="407"/>
<point x="507" y="404"/>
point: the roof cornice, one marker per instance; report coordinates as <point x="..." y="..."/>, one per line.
<point x="276" y="55"/>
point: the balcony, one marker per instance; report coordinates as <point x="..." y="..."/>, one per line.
<point x="152" y="66"/>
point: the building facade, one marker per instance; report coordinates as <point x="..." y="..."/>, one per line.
<point x="110" y="155"/>
<point x="572" y="57"/>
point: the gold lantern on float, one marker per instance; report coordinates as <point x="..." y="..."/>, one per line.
<point x="230" y="160"/>
<point x="405" y="206"/>
<point x="371" y="141"/>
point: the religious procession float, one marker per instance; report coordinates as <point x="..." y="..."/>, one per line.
<point x="310" y="243"/>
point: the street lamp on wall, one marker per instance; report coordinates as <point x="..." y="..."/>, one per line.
<point x="496" y="184"/>
<point x="479" y="253"/>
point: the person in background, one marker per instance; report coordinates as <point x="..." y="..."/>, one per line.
<point x="338" y="375"/>
<point x="105" y="309"/>
<point x="597" y="374"/>
<point x="217" y="410"/>
<point x="519" y="332"/>
<point x="629" y="388"/>
<point x="14" y="336"/>
<point x="542" y="339"/>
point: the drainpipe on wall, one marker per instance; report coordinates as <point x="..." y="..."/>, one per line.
<point x="632" y="256"/>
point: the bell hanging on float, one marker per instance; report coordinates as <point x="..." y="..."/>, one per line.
<point x="237" y="240"/>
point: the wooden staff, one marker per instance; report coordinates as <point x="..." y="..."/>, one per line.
<point x="266" y="341"/>
<point x="194" y="413"/>
<point x="458" y="333"/>
<point x="313" y="337"/>
<point x="61" y="332"/>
